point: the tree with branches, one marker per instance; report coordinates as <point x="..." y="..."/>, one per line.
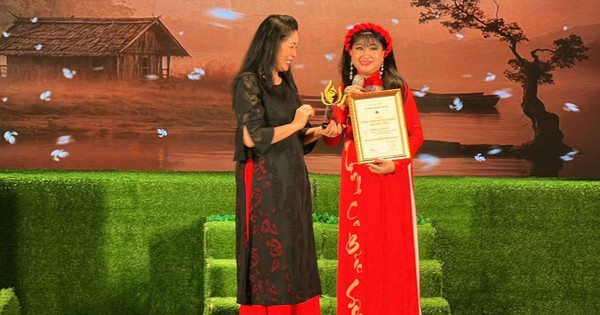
<point x="530" y="72"/>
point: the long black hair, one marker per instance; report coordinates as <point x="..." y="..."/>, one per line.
<point x="261" y="55"/>
<point x="391" y="77"/>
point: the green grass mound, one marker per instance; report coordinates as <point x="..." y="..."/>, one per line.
<point x="220" y="268"/>
<point x="228" y="306"/>
<point x="9" y="304"/>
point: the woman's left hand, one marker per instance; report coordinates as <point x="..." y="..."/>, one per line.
<point x="382" y="166"/>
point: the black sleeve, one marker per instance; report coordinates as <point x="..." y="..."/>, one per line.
<point x="307" y="147"/>
<point x="250" y="112"/>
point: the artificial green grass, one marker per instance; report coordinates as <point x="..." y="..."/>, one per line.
<point x="117" y="242"/>
<point x="220" y="252"/>
<point x="517" y="246"/>
<point x="9" y="303"/>
<point x="228" y="306"/>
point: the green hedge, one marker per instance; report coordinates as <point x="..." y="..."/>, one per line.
<point x="9" y="304"/>
<point x="116" y="242"/>
<point x="516" y="246"/>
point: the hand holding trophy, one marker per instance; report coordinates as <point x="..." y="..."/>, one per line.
<point x="331" y="97"/>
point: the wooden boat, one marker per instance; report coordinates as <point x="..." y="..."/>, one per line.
<point x="475" y="101"/>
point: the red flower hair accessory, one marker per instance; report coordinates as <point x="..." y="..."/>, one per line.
<point x="369" y="27"/>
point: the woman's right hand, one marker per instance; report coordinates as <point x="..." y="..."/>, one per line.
<point x="351" y="89"/>
<point x="354" y="89"/>
<point x="303" y="113"/>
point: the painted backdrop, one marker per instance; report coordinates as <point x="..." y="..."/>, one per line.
<point x="168" y="106"/>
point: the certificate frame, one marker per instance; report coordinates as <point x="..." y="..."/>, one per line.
<point x="379" y="126"/>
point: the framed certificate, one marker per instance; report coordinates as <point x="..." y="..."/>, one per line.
<point x="379" y="126"/>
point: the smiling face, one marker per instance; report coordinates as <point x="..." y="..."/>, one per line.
<point x="366" y="55"/>
<point x="287" y="53"/>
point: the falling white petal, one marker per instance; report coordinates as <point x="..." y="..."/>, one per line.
<point x="418" y="93"/>
<point x="64" y="140"/>
<point x="479" y="157"/>
<point x="34" y="20"/>
<point x="194" y="76"/>
<point x="68" y="73"/>
<point x="5" y="99"/>
<point x="490" y="77"/>
<point x="59" y="154"/>
<point x="161" y="132"/>
<point x="38" y="47"/>
<point x="395" y="21"/>
<point x="9" y="136"/>
<point x="567" y="157"/>
<point x="152" y="77"/>
<point x="494" y="151"/>
<point x="570" y="107"/>
<point x="5" y="34"/>
<point x="219" y="25"/>
<point x="329" y="57"/>
<point x="425" y="88"/>
<point x="225" y="14"/>
<point x="459" y="36"/>
<point x="457" y="104"/>
<point x="565" y="28"/>
<point x="181" y="33"/>
<point x="45" y="96"/>
<point x="428" y="159"/>
<point x="504" y="93"/>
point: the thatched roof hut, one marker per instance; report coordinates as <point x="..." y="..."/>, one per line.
<point x="95" y="47"/>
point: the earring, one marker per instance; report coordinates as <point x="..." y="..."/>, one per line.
<point x="381" y="72"/>
<point x="351" y="71"/>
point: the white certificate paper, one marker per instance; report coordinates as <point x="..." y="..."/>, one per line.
<point x="379" y="126"/>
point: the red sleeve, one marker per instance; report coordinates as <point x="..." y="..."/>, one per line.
<point x="339" y="116"/>
<point x="413" y="124"/>
<point x="415" y="131"/>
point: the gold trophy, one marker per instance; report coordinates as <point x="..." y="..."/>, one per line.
<point x="329" y="97"/>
